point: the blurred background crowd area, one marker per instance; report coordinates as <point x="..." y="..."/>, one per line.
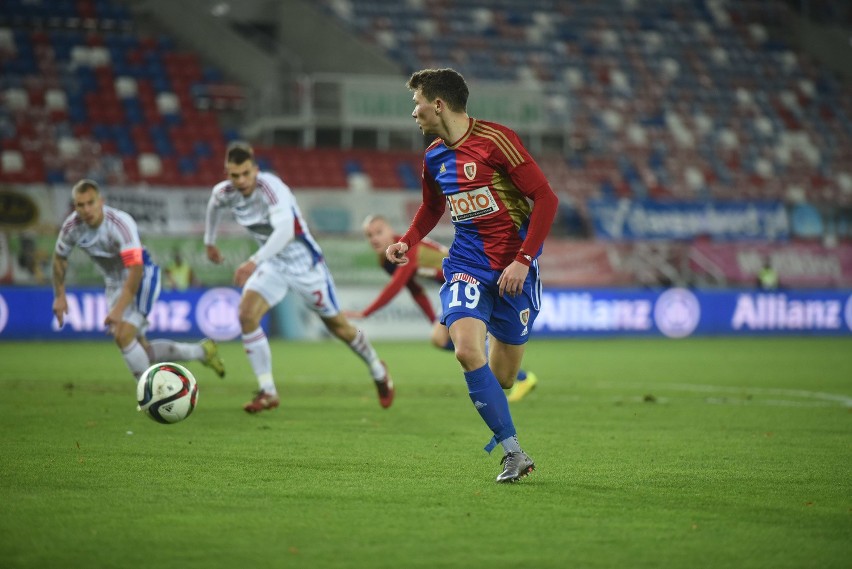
<point x="691" y="142"/>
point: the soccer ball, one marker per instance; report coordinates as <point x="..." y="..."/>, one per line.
<point x="167" y="392"/>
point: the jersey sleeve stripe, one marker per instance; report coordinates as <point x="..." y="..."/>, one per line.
<point x="120" y="225"/>
<point x="222" y="191"/>
<point x="271" y="195"/>
<point x="507" y="146"/>
<point x="503" y="143"/>
<point x="497" y="142"/>
<point x="70" y="224"/>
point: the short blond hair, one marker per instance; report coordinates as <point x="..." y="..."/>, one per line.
<point x="373" y="217"/>
<point x="85" y="185"/>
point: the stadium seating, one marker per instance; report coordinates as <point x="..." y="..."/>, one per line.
<point x="691" y="100"/>
<point x="85" y="94"/>
<point x="684" y="100"/>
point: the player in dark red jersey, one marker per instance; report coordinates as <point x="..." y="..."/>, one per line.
<point x="486" y="176"/>
<point x="424" y="261"/>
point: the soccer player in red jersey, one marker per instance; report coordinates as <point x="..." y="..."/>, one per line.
<point x="425" y="261"/>
<point x="482" y="171"/>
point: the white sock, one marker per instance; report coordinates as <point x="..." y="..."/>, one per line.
<point x="169" y="351"/>
<point x="136" y="358"/>
<point x="259" y="355"/>
<point x="511" y="444"/>
<point x="266" y="384"/>
<point x="361" y="346"/>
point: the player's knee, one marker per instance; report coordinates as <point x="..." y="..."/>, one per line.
<point x="248" y="320"/>
<point x="470" y="357"/>
<point x="441" y="339"/>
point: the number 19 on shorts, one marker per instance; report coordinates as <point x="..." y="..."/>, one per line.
<point x="471" y="293"/>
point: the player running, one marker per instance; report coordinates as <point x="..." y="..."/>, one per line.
<point x="424" y="260"/>
<point x="483" y="172"/>
<point x="110" y="238"/>
<point x="288" y="258"/>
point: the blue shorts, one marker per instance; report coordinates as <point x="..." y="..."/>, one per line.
<point x="473" y="293"/>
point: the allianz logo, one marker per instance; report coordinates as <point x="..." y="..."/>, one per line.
<point x="580" y="311"/>
<point x="776" y="311"/>
<point x="87" y="311"/>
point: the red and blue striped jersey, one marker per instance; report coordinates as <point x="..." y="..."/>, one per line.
<point x="486" y="178"/>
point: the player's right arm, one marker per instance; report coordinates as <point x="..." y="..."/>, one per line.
<point x="400" y="278"/>
<point x="427" y="217"/>
<point x="60" y="303"/>
<point x="64" y="245"/>
<point x="211" y="223"/>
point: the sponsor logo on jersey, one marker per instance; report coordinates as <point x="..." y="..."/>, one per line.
<point x="524" y="316"/>
<point x="464" y="277"/>
<point x="471" y="204"/>
<point x="443" y="168"/>
<point x="470" y="170"/>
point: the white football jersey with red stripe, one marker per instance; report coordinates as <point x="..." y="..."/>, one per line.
<point x="271" y="205"/>
<point x="105" y="243"/>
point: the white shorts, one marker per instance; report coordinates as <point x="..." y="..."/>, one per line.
<point x="315" y="287"/>
<point x="136" y="313"/>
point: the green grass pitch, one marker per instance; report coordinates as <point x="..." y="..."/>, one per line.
<point x="650" y="453"/>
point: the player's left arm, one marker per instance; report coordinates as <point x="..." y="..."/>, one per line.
<point x="403" y="275"/>
<point x="132" y="259"/>
<point x="530" y="180"/>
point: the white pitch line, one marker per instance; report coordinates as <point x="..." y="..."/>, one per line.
<point x="819" y="398"/>
<point x="800" y="393"/>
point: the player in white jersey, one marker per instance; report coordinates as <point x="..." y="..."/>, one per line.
<point x="110" y="238"/>
<point x="288" y="258"/>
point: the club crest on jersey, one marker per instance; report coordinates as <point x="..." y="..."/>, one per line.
<point x="470" y="170"/>
<point x="524" y="316"/>
<point x="471" y="204"/>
